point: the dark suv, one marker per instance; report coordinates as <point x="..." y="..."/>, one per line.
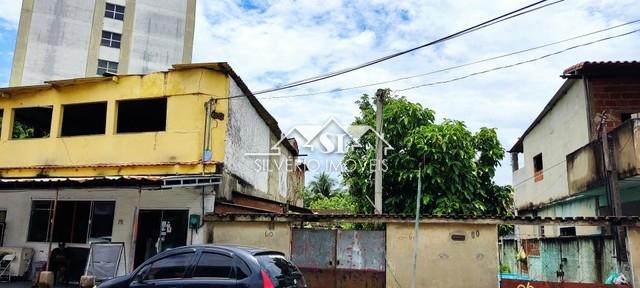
<point x="213" y="266"/>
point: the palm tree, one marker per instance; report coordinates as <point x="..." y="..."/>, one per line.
<point x="322" y="184"/>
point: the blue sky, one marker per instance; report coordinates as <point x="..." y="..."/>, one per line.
<point x="273" y="42"/>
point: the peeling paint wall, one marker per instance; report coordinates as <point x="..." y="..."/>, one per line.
<point x="633" y="244"/>
<point x="276" y="236"/>
<point x="440" y="259"/>
<point x="246" y="133"/>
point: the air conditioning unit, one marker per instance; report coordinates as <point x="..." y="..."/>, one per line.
<point x="20" y="264"/>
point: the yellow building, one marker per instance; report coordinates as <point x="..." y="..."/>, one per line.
<point x="135" y="158"/>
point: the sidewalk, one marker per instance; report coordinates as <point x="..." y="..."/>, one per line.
<point x="27" y="284"/>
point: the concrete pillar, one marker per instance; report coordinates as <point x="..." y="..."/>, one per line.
<point x="633" y="244"/>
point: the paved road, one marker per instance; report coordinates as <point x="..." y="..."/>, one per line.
<point x="26" y="284"/>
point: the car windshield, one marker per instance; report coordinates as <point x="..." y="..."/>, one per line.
<point x="283" y="274"/>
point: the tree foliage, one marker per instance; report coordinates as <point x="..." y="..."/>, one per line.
<point x="323" y="184"/>
<point x="457" y="165"/>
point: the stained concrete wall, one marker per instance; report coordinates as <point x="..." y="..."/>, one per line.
<point x="246" y="133"/>
<point x="158" y="35"/>
<point x="443" y="262"/>
<point x="18" y="203"/>
<point x="57" y="41"/>
<point x="275" y="236"/>
<point x="564" y="129"/>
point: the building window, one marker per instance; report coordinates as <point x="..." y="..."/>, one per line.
<point x="107" y="66"/>
<point x="114" y="11"/>
<point x="538" y="168"/>
<point x="149" y="115"/>
<point x="34" y="122"/>
<point x="84" y="119"/>
<point x="75" y="221"/>
<point x="568" y="231"/>
<point x="111" y="39"/>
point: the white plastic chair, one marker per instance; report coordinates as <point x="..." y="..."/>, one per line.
<point x="5" y="267"/>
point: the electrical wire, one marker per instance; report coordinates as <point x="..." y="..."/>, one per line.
<point x="456" y="66"/>
<point x="518" y="63"/>
<point x="518" y="12"/>
<point x="468" y="75"/>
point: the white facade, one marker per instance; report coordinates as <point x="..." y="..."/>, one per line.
<point x="61" y="39"/>
<point x="561" y="131"/>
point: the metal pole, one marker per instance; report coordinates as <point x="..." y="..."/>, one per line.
<point x="416" y="230"/>
<point x="380" y="94"/>
<point x="53" y="224"/>
<point x="611" y="173"/>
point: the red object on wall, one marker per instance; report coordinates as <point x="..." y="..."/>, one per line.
<point x="509" y="283"/>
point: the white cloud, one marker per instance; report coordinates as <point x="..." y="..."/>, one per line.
<point x="284" y="41"/>
<point x="10" y="13"/>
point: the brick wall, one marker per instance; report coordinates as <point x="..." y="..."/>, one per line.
<point x="616" y="95"/>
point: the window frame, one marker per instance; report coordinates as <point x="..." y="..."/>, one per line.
<point x="110" y="39"/>
<point x="89" y="219"/>
<point x="118" y="122"/>
<point x="232" y="272"/>
<point x="114" y="14"/>
<point x="187" y="270"/>
<point x="62" y="118"/>
<point x="107" y="67"/>
<point x="14" y="119"/>
<point x="538" y="167"/>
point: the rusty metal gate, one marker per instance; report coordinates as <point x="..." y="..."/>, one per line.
<point x="340" y="258"/>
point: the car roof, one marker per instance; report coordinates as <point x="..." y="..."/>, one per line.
<point x="236" y="248"/>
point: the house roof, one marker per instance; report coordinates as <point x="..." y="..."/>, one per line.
<point x="556" y="97"/>
<point x="603" y="68"/>
<point x="577" y="71"/>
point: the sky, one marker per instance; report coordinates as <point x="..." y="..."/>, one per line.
<point x="269" y="43"/>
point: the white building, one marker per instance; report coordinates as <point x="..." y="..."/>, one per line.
<point x="61" y="39"/>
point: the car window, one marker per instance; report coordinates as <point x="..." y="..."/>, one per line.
<point x="214" y="265"/>
<point x="170" y="267"/>
<point x="283" y="273"/>
<point x="242" y="269"/>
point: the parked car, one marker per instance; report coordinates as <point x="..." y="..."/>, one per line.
<point x="213" y="266"/>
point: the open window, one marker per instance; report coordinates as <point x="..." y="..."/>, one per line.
<point x="538" y="168"/>
<point x="34" y="122"/>
<point x="84" y="119"/>
<point x="148" y="115"/>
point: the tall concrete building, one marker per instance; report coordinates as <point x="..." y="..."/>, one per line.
<point x="61" y="39"/>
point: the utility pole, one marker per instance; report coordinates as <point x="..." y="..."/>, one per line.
<point x="611" y="173"/>
<point x="380" y="95"/>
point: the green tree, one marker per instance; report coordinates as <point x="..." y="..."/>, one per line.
<point x="322" y="184"/>
<point x="457" y="165"/>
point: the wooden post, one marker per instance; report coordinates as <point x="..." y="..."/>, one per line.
<point x="53" y="224"/>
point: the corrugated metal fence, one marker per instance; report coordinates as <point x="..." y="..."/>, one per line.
<point x="340" y="258"/>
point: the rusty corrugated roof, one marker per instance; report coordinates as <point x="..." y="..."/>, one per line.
<point x="603" y="68"/>
<point x="108" y="165"/>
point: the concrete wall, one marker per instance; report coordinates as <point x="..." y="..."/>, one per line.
<point x="276" y="236"/>
<point x="158" y="35"/>
<point x="246" y="133"/>
<point x="57" y="41"/>
<point x="18" y="207"/>
<point x="563" y="130"/>
<point x="60" y="39"/>
<point x="442" y="261"/>
<point x="181" y="142"/>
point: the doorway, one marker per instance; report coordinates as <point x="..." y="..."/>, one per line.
<point x="159" y="230"/>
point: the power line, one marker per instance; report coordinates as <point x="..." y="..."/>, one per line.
<point x="544" y="170"/>
<point x="512" y="14"/>
<point x="456" y="66"/>
<point x="461" y="77"/>
<point x="517" y="63"/>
